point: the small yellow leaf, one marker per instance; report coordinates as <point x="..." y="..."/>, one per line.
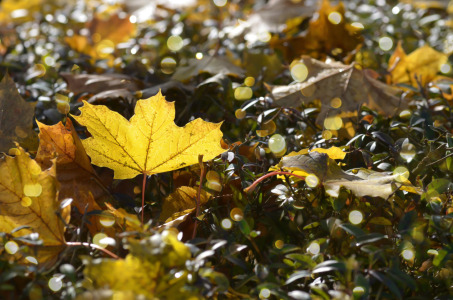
<point x="423" y="64"/>
<point x="150" y="142"/>
<point x="145" y="272"/>
<point x="183" y="199"/>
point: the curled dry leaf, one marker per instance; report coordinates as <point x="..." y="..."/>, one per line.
<point x="29" y="196"/>
<point x="422" y="65"/>
<point x="327" y="81"/>
<point x="150" y="142"/>
<point x="16" y="118"/>
<point x="75" y="174"/>
<point x="332" y="177"/>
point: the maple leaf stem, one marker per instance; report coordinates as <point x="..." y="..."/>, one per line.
<point x="255" y="183"/>
<point x="94" y="246"/>
<point x="143" y="196"/>
<point x="202" y="174"/>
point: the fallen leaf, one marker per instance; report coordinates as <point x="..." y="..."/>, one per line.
<point x="208" y="64"/>
<point x="363" y="183"/>
<point x="325" y="36"/>
<point x="328" y="81"/>
<point x="145" y="271"/>
<point x="75" y="174"/>
<point x="150" y="142"/>
<point x="105" y="34"/>
<point x="183" y="199"/>
<point x="16" y="118"/>
<point x="102" y="86"/>
<point x="423" y="64"/>
<point x="29" y="196"/>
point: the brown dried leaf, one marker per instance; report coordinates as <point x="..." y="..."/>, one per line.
<point x="16" y="118"/>
<point x="328" y="81"/>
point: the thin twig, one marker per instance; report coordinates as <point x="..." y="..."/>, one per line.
<point x="94" y="246"/>
<point x="255" y="183"/>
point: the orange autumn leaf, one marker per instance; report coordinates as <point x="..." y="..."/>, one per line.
<point x="77" y="177"/>
<point x="421" y="65"/>
<point x="329" y="34"/>
<point x="105" y="34"/>
<point x="150" y="142"/>
<point x="29" y="196"/>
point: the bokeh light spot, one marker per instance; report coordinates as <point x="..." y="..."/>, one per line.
<point x="335" y="18"/>
<point x="226" y="224"/>
<point x="175" y="43"/>
<point x="299" y="72"/>
<point x="32" y="190"/>
<point x="314" y="248"/>
<point x="385" y="43"/>
<point x="355" y="217"/>
<point x="236" y="214"/>
<point x="55" y="283"/>
<point x="243" y="93"/>
<point x="11" y="247"/>
<point x="312" y="180"/>
<point x="408" y="254"/>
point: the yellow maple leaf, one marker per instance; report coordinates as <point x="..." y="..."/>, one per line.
<point x="422" y="64"/>
<point x="29" y="196"/>
<point x="150" y="142"/>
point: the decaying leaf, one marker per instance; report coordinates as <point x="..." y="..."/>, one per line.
<point x="332" y="177"/>
<point x="105" y="34"/>
<point x="183" y="199"/>
<point x="423" y="64"/>
<point x="16" y="118"/>
<point x="145" y="272"/>
<point x="75" y="174"/>
<point x="208" y="64"/>
<point x="150" y="142"/>
<point x="29" y="196"/>
<point x="325" y="36"/>
<point x="328" y="81"/>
